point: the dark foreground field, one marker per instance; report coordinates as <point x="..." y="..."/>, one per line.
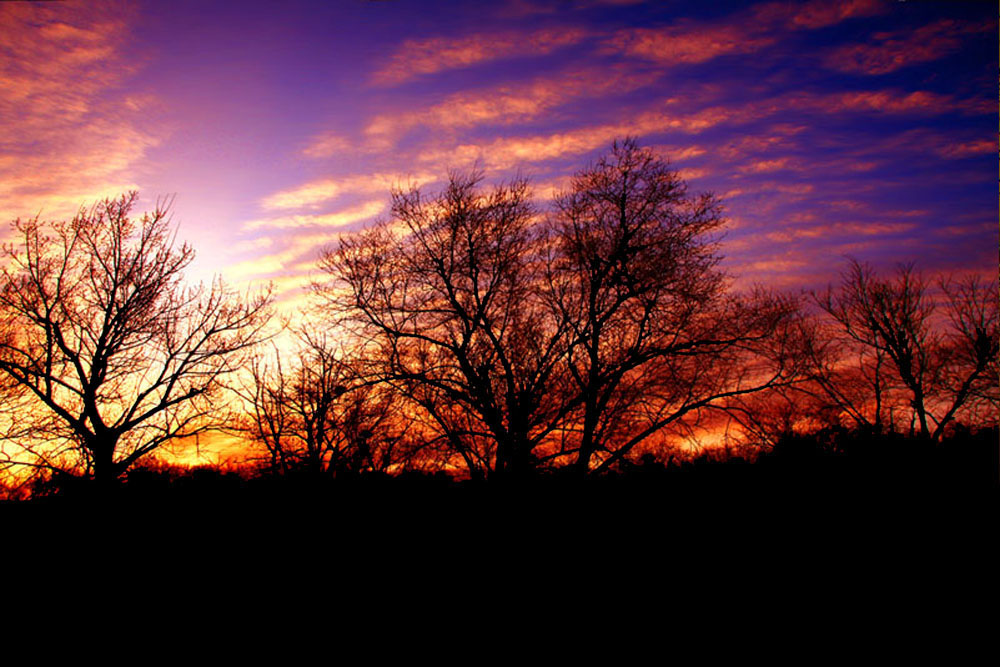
<point x="805" y="537"/>
<point x="856" y="477"/>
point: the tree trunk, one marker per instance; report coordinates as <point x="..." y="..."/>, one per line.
<point x="105" y="470"/>
<point x="587" y="439"/>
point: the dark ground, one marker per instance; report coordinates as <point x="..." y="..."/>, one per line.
<point x="845" y="481"/>
<point x="825" y="540"/>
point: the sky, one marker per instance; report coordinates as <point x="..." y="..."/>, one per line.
<point x="860" y="127"/>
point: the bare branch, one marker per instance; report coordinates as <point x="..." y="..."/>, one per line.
<point x="116" y="354"/>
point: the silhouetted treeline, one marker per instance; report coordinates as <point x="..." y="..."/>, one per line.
<point x="836" y="463"/>
<point x="477" y="335"/>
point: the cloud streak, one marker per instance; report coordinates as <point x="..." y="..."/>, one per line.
<point x="692" y="42"/>
<point x="76" y="139"/>
<point x="890" y="51"/>
<point x="510" y="103"/>
<point x="313" y="194"/>
<point x="687" y="43"/>
<point x="341" y="218"/>
<point x="422" y="57"/>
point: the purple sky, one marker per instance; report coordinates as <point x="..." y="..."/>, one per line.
<point x="829" y="128"/>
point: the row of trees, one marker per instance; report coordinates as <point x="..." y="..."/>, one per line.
<point x="568" y="338"/>
<point x="473" y="331"/>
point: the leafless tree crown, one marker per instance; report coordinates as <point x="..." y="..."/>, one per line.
<point x="111" y="354"/>
<point x="526" y="338"/>
<point x="893" y="327"/>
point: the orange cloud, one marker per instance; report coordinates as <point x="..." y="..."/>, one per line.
<point x="315" y="193"/>
<point x="840" y="229"/>
<point x="849" y="205"/>
<point x="687" y="43"/>
<point x="896" y="103"/>
<point x="77" y="139"/>
<point x="788" y="188"/>
<point x="823" y="13"/>
<point x="509" y="103"/>
<point x="508" y="152"/>
<point x="429" y="56"/>
<point x="327" y="145"/>
<point x="299" y="253"/>
<point x="923" y="141"/>
<point x="966" y="229"/>
<point x="308" y="195"/>
<point x="691" y="42"/>
<point x="886" y="101"/>
<point x="766" y="166"/>
<point x="874" y="228"/>
<point x="342" y="218"/>
<point x="810" y="15"/>
<point x="692" y="174"/>
<point x="677" y="153"/>
<point x="775" y="266"/>
<point x="890" y="51"/>
<point x="968" y="149"/>
<point x="777" y="136"/>
<point x="505" y="153"/>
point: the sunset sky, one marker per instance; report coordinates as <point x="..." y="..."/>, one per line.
<point x="862" y="127"/>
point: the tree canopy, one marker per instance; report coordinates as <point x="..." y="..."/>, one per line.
<point x="110" y="355"/>
<point x="528" y="338"/>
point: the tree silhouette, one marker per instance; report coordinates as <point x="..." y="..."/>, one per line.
<point x="945" y="366"/>
<point x="656" y="332"/>
<point x="315" y="413"/>
<point x="112" y="355"/>
<point x="443" y="298"/>
<point x="526" y="342"/>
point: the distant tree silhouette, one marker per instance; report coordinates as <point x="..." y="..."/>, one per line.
<point x="945" y="366"/>
<point x="848" y="384"/>
<point x="763" y="419"/>
<point x="111" y="354"/>
<point x="315" y="413"/>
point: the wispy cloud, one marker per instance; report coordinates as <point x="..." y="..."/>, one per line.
<point x="76" y="138"/>
<point x="341" y="218"/>
<point x="767" y="166"/>
<point x="836" y="230"/>
<point x="327" y="144"/>
<point x="889" y="51"/>
<point x="687" y="42"/>
<point x="968" y="148"/>
<point x="297" y="253"/>
<point x="508" y="152"/>
<point x="510" y="103"/>
<point x="428" y="56"/>
<point x="897" y="102"/>
<point x="315" y="193"/>
<point x="814" y="14"/>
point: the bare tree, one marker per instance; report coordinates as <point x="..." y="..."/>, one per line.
<point x="444" y="297"/>
<point x="527" y="342"/>
<point x="846" y="384"/>
<point x="970" y="369"/>
<point x="656" y="333"/>
<point x="945" y="366"/>
<point x="112" y="354"/>
<point x="317" y="414"/>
